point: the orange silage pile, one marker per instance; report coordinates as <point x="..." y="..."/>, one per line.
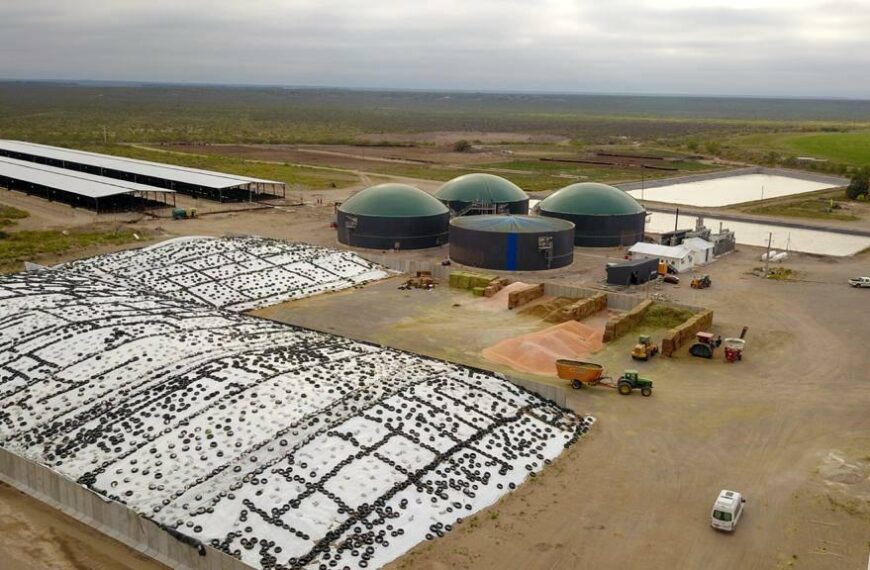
<point x="537" y="352"/>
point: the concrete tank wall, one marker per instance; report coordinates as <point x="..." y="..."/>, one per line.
<point x="510" y="251"/>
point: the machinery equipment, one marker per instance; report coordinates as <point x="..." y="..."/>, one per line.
<point x="182" y="214"/>
<point x="705" y="345"/>
<point x="644" y="349"/>
<point x="591" y="374"/>
<point x="734" y="347"/>
<point x="701" y="282"/>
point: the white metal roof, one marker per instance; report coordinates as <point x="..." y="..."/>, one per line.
<point x="195" y="176"/>
<point x="673" y="252"/>
<point x="697" y="243"/>
<point x="81" y="183"/>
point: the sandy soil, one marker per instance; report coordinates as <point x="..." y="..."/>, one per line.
<point x="34" y="536"/>
<point x="347" y="156"/>
<point x="788" y="426"/>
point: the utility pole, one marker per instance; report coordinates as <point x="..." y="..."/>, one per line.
<point x="676" y="219"/>
<point x="642" y="184"/>
<point x="762" y="191"/>
<point x="105" y="135"/>
<point x="767" y="256"/>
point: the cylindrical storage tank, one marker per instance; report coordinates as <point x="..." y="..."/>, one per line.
<point x="512" y="243"/>
<point x="392" y="216"/>
<point x="481" y="193"/>
<point x="603" y="216"/>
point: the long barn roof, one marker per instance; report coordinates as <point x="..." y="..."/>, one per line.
<point x="183" y="174"/>
<point x="81" y="183"/>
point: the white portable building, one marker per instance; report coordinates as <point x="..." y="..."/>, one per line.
<point x="679" y="256"/>
<point x="703" y="250"/>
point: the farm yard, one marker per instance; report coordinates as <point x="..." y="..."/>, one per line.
<point x="239" y="383"/>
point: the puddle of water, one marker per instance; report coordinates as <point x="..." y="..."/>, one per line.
<point x="750" y="233"/>
<point x="729" y="190"/>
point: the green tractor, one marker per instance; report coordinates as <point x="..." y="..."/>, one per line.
<point x="631" y="381"/>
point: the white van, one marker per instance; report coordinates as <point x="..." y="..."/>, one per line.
<point x="727" y="510"/>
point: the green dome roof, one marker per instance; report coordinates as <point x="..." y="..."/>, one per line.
<point x="393" y="201"/>
<point x="480" y="187"/>
<point x="512" y="224"/>
<point x="590" y="199"/>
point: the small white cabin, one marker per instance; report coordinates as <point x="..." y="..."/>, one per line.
<point x="679" y="256"/>
<point x="703" y="249"/>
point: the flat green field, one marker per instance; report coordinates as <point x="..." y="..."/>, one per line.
<point x="848" y="148"/>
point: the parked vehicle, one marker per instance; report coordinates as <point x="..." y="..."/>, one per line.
<point x="701" y="282"/>
<point x="727" y="510"/>
<point x="706" y="345"/>
<point x="582" y="373"/>
<point x="644" y="349"/>
<point x="859" y="281"/>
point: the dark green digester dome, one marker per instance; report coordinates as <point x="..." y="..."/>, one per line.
<point x="480" y="187"/>
<point x="603" y="216"/>
<point x="591" y="199"/>
<point x="392" y="200"/>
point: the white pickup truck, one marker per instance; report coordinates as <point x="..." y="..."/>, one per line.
<point x="859" y="281"/>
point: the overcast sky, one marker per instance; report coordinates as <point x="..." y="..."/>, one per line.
<point x="740" y="47"/>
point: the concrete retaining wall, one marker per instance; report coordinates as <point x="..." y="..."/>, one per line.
<point x="548" y="391"/>
<point x="109" y="517"/>
<point x="621" y="324"/>
<point x="685" y="333"/>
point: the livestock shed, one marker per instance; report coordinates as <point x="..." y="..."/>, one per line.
<point x="512" y="243"/>
<point x="392" y="216"/>
<point x="194" y="181"/>
<point x="632" y="272"/>
<point x="481" y="193"/>
<point x="603" y="216"/>
<point x="79" y="189"/>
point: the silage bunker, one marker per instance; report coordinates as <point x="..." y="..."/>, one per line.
<point x="282" y="446"/>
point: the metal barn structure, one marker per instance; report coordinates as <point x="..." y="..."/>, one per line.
<point x="512" y="243"/>
<point x="79" y="189"/>
<point x="202" y="183"/>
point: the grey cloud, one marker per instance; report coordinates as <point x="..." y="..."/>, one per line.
<point x="766" y="47"/>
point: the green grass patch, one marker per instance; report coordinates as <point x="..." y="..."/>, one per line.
<point x="10" y="213"/>
<point x="18" y="247"/>
<point x="815" y="208"/>
<point x="850" y="148"/>
<point x="296" y="177"/>
<point x="660" y="316"/>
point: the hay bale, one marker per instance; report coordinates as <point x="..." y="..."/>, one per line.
<point x="685" y="333"/>
<point x="523" y="296"/>
<point x="579" y="310"/>
<point x="619" y="325"/>
<point x="478" y="291"/>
